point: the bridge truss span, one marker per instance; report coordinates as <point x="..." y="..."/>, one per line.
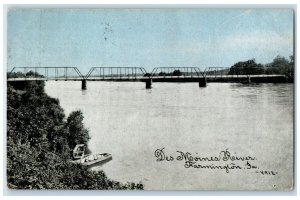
<point x="117" y="74"/>
<point x="216" y="71"/>
<point x="45" y="73"/>
<point x="139" y="74"/>
<point x="176" y="72"/>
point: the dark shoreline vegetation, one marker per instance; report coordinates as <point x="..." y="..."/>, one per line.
<point x="39" y="140"/>
<point x="279" y="65"/>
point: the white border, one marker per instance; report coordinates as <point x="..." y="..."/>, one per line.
<point x="156" y="4"/>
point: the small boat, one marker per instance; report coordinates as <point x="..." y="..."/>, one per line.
<point x="89" y="160"/>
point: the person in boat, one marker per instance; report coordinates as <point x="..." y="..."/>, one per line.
<point x="78" y="151"/>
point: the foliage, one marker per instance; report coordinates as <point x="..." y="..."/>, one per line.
<point x="177" y="73"/>
<point x="29" y="74"/>
<point x="163" y="74"/>
<point x="39" y="140"/>
<point x="174" y="73"/>
<point x="78" y="134"/>
<point x="279" y="65"/>
<point x="246" y="68"/>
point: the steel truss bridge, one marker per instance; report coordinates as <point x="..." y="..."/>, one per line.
<point x="159" y="74"/>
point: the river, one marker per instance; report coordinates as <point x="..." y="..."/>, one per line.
<point x="131" y="122"/>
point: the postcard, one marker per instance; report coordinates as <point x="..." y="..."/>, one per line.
<point x="150" y="99"/>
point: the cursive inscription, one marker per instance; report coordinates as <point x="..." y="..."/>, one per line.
<point x="225" y="160"/>
<point x="160" y="155"/>
<point x="224" y="155"/>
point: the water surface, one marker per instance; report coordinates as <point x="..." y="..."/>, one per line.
<point x="131" y="122"/>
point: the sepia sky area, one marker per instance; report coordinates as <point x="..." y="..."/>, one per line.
<point x="148" y="38"/>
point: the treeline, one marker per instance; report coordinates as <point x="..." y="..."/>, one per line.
<point x="279" y="65"/>
<point x="39" y="140"/>
<point x="22" y="75"/>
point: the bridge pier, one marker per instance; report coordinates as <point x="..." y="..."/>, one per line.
<point x="148" y="83"/>
<point x="83" y="84"/>
<point x="202" y="82"/>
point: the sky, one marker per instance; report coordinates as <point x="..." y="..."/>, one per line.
<point x="148" y="38"/>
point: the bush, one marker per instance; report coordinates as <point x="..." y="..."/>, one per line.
<point x="39" y="140"/>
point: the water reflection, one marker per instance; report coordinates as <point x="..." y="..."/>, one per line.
<point x="83" y="92"/>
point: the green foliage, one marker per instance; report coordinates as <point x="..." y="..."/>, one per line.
<point x="39" y="140"/>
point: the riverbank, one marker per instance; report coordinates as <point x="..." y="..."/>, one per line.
<point x="39" y="140"/>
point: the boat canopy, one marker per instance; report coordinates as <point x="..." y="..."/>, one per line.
<point x="78" y="151"/>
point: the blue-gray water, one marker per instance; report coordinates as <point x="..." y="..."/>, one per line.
<point x="131" y="122"/>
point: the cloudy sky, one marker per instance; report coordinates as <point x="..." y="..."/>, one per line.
<point x="146" y="37"/>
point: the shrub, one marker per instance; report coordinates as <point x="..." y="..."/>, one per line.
<point x="39" y="140"/>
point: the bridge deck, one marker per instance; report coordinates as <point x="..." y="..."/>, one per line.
<point x="144" y="78"/>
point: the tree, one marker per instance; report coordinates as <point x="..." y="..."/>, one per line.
<point x="35" y="118"/>
<point x="33" y="74"/>
<point x="37" y="144"/>
<point x="162" y="74"/>
<point x="177" y="73"/>
<point x="248" y="67"/>
<point x="15" y="75"/>
<point x="281" y="65"/>
<point x="78" y="134"/>
<point x="21" y="75"/>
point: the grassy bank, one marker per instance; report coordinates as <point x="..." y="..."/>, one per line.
<point x="39" y="140"/>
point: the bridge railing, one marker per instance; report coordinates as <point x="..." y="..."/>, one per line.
<point x="171" y="72"/>
<point x="46" y="73"/>
<point x="104" y="73"/>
